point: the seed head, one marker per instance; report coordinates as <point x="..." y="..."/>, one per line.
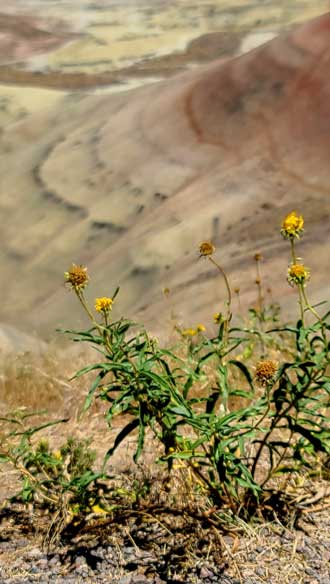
<point x="103" y="304"/>
<point x="206" y="248"/>
<point x="266" y="371"/>
<point x="298" y="274"/>
<point x="77" y="277"/>
<point x="292" y="226"/>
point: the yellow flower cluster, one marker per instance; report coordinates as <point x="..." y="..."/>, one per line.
<point x="298" y="274"/>
<point x="103" y="304"/>
<point x="190" y="332"/>
<point x="292" y="226"/>
<point x="77" y="277"/>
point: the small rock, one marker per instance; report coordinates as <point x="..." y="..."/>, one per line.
<point x="206" y="573"/>
<point x="35" y="552"/>
<point x="125" y="580"/>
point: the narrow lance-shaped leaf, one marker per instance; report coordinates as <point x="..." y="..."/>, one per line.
<point x="130" y="427"/>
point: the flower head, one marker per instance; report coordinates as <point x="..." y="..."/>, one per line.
<point x="189" y="332"/>
<point x="292" y="226"/>
<point x="103" y="304"/>
<point x="298" y="274"/>
<point x="266" y="371"/>
<point x="217" y="317"/>
<point x="200" y="328"/>
<point x="258" y="257"/>
<point x="206" y="248"/>
<point x="77" y="277"/>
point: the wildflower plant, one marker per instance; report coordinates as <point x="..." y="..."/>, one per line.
<point x="250" y="426"/>
<point x="60" y="479"/>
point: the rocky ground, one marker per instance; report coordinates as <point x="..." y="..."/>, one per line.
<point x="162" y="536"/>
<point x="157" y="551"/>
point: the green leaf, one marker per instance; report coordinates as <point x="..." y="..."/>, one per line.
<point x="180" y="411"/>
<point x="92" y="390"/>
<point x="30" y="431"/>
<point x="90" y="368"/>
<point x="130" y="427"/>
<point x="243" y="368"/>
<point x="115" y="292"/>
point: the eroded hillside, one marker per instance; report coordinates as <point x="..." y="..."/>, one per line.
<point x="130" y="183"/>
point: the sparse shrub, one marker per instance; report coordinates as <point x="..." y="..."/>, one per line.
<point x="62" y="480"/>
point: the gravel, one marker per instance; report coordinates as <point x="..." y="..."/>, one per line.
<point x="104" y="564"/>
<point x="159" y="552"/>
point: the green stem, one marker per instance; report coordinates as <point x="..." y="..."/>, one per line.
<point x="260" y="292"/>
<point x="310" y="307"/>
<point x="293" y="251"/>
<point x="83" y="302"/>
<point x="301" y="304"/>
<point x="300" y="288"/>
<point x="318" y="317"/>
<point x="228" y="317"/>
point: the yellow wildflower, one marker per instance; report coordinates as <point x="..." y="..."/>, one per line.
<point x="206" y="248"/>
<point x="77" y="277"/>
<point x="266" y="371"/>
<point x="189" y="332"/>
<point x="200" y="328"/>
<point x="292" y="226"/>
<point x="103" y="304"/>
<point x="298" y="274"/>
<point x="99" y="510"/>
<point x="217" y="317"/>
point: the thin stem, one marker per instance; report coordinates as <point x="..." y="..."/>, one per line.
<point x="301" y="304"/>
<point x="272" y="471"/>
<point x="317" y="316"/>
<point x="83" y="302"/>
<point x="310" y="307"/>
<point x="293" y="251"/>
<point x="102" y="330"/>
<point x="260" y="291"/>
<point x="300" y="290"/>
<point x="223" y="273"/>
